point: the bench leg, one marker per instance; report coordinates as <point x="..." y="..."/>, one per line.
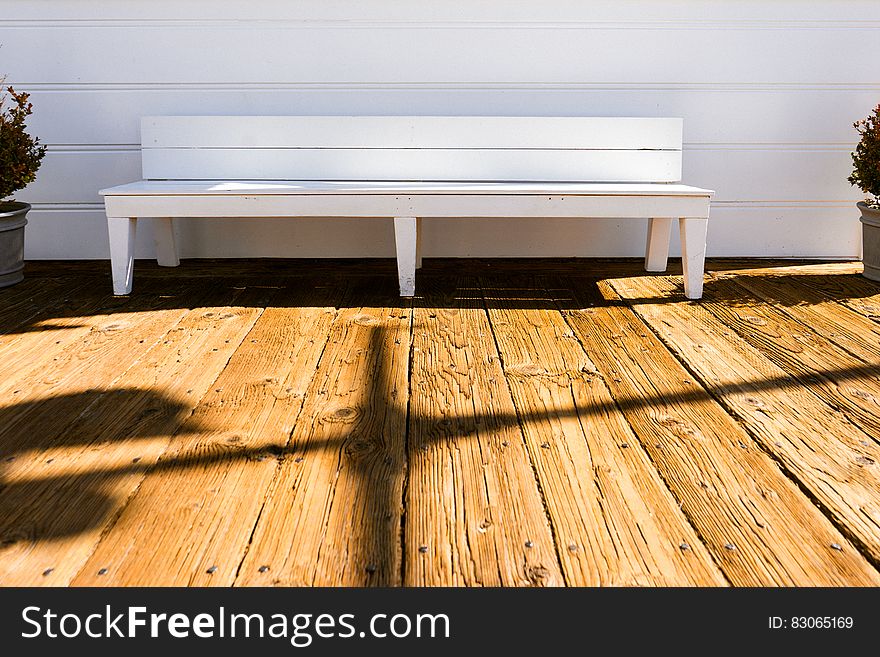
<point x="405" y="239"/>
<point x="657" y="251"/>
<point x="166" y="245"/>
<point x="122" y="231"/>
<point x="693" y="254"/>
<point x="419" y="243"/>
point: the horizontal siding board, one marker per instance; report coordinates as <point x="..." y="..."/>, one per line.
<point x="411" y="164"/>
<point x="771" y="174"/>
<point x="789" y="14"/>
<point x="751" y="175"/>
<point x="779" y="115"/>
<point x="464" y="132"/>
<point x="432" y="55"/>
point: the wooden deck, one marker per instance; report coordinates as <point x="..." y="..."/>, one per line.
<point x="520" y="423"/>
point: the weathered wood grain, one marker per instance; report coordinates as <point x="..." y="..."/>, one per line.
<point x="840" y="282"/>
<point x="826" y="347"/>
<point x="828" y="455"/>
<point x="375" y="488"/>
<point x="823" y="303"/>
<point x="33" y="338"/>
<point x="21" y="303"/>
<point x="333" y="513"/>
<point x="475" y="516"/>
<point x="190" y="520"/>
<point x="54" y="512"/>
<point x="757" y="524"/>
<point x="783" y="267"/>
<point x="615" y="521"/>
<point x="63" y="381"/>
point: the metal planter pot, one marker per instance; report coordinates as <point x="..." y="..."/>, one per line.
<point x="13" y="218"/>
<point x="870" y="241"/>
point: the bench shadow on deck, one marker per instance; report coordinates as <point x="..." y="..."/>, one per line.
<point x="82" y="470"/>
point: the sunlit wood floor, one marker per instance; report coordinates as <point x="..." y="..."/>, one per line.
<point x="547" y="422"/>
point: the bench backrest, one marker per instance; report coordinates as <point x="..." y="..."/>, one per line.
<point x="434" y="148"/>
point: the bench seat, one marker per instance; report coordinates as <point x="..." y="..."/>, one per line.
<point x="234" y="187"/>
<point x="395" y="199"/>
<point x="180" y="154"/>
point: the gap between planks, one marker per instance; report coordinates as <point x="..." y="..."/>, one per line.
<point x="819" y="446"/>
<point x="475" y="516"/>
<point x="616" y="521"/>
<point x="202" y="494"/>
<point x="333" y="513"/>
<point x="756" y="522"/>
<point x="113" y="444"/>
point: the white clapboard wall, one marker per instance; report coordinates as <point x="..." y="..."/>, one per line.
<point x="768" y="92"/>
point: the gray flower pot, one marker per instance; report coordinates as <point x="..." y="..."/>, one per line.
<point x="13" y="218"/>
<point x="870" y="241"/>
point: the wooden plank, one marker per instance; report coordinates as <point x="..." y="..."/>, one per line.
<point x="615" y="521"/>
<point x="784" y="267"/>
<point x="70" y="375"/>
<point x="411" y="164"/>
<point x="33" y="335"/>
<point x="813" y="284"/>
<point x="829" y="456"/>
<point x="489" y="56"/>
<point x="867" y="305"/>
<point x="333" y="514"/>
<point x="760" y="528"/>
<point x="190" y="521"/>
<point x="829" y="349"/>
<point x="411" y="132"/>
<point x="53" y="513"/>
<point x="828" y="121"/>
<point x="474" y="514"/>
<point x="33" y="296"/>
<point x="827" y="305"/>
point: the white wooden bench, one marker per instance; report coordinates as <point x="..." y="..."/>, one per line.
<point x="408" y="168"/>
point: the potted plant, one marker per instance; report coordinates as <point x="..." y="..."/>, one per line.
<point x="20" y="157"/>
<point x="866" y="176"/>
